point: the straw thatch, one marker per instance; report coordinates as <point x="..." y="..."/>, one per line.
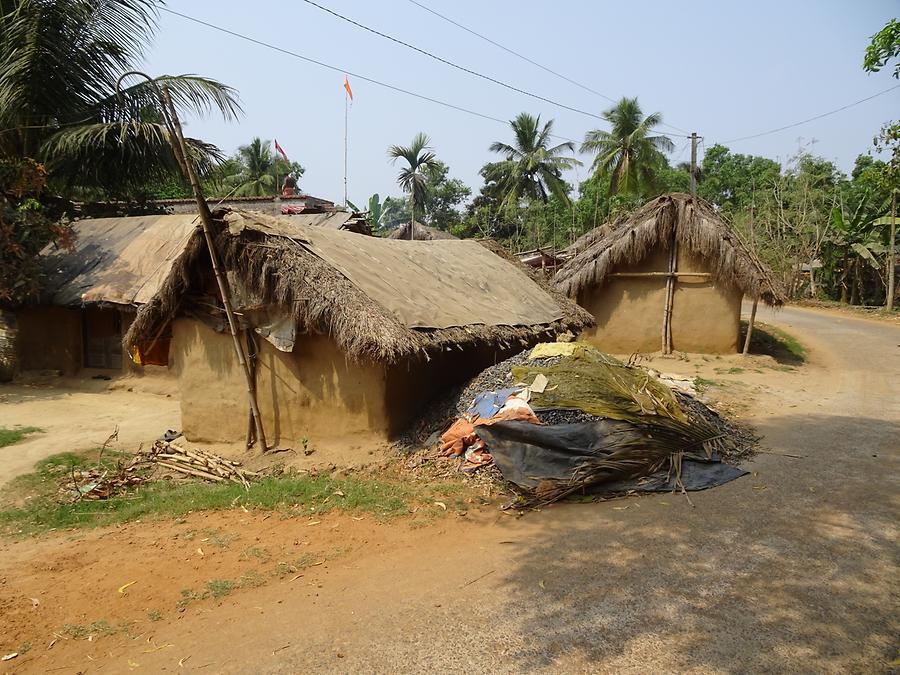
<point x="698" y="229"/>
<point x="420" y="233"/>
<point x="322" y="300"/>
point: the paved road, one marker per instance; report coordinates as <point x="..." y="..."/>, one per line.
<point x="792" y="569"/>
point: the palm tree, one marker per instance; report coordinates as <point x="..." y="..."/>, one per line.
<point x="418" y="157"/>
<point x="532" y="168"/>
<point x="60" y="63"/>
<point x="628" y="153"/>
<point x="254" y="177"/>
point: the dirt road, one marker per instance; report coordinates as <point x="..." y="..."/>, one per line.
<point x="79" y="419"/>
<point x="790" y="569"/>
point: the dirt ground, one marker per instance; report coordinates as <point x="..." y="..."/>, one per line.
<point x="81" y="413"/>
<point x="793" y="568"/>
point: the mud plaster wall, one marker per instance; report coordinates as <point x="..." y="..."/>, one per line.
<point x="629" y="311"/>
<point x="50" y="339"/>
<point x="313" y="392"/>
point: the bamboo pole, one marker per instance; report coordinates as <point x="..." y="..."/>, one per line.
<point x="181" y="152"/>
<point x="670" y="295"/>
<point x="750" y="327"/>
<point x="892" y="254"/>
<point x="638" y="275"/>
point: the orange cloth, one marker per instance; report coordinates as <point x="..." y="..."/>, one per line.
<point x="461" y="433"/>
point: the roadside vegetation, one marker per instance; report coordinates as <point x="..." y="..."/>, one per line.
<point x="16" y="434"/>
<point x="32" y="503"/>
<point x="775" y="342"/>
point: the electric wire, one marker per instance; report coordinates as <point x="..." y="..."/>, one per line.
<point x="814" y="118"/>
<point x="452" y="64"/>
<point x="476" y="113"/>
<point x="527" y="60"/>
<point x="344" y="71"/>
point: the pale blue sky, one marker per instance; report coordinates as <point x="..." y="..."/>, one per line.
<point x="723" y="69"/>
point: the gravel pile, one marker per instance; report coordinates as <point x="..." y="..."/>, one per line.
<point x="438" y="416"/>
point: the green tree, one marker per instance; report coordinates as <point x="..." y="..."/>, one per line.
<point x="60" y="62"/>
<point x="256" y="172"/>
<point x="888" y="180"/>
<point x="885" y="45"/>
<point x="629" y="152"/>
<point x="412" y="179"/>
<point x="443" y="196"/>
<point x="532" y="168"/>
<point x="730" y="181"/>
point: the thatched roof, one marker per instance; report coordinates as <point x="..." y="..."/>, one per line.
<point x="378" y="299"/>
<point x="420" y="233"/>
<point x="697" y="228"/>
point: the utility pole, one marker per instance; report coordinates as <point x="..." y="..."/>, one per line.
<point x="694" y="139"/>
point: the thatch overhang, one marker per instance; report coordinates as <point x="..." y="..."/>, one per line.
<point x="698" y="230"/>
<point x="343" y="288"/>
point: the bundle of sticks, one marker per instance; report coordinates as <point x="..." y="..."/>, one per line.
<point x="195" y="462"/>
<point x="103" y="482"/>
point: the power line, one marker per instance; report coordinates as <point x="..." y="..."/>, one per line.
<point x="344" y="71"/>
<point x="452" y="64"/>
<point x="511" y="51"/>
<point x="524" y="58"/>
<point x="816" y="117"/>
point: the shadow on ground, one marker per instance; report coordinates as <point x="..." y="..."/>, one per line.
<point x="786" y="569"/>
<point x="771" y="341"/>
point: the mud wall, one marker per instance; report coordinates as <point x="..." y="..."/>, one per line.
<point x="313" y="392"/>
<point x="629" y="311"/>
<point x="49" y="338"/>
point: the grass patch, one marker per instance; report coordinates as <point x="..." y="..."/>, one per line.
<point x="154" y="615"/>
<point x="219" y="588"/>
<point x="730" y="371"/>
<point x="701" y="384"/>
<point x="16" y="434"/>
<point x="261" y="554"/>
<point x="77" y="631"/>
<point x="30" y="503"/>
<point x="774" y="342"/>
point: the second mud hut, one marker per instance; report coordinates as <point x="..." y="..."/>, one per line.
<point x="670" y="277"/>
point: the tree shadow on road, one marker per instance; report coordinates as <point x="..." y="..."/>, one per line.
<point x="791" y="568"/>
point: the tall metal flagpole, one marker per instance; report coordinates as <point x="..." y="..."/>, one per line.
<point x="346" y="96"/>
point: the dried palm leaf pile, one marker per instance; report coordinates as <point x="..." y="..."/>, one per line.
<point x="164" y="460"/>
<point x="601" y="426"/>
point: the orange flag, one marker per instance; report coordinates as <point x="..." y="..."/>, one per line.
<point x="347" y="87"/>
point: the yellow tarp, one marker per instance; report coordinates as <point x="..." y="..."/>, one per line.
<point x="547" y="349"/>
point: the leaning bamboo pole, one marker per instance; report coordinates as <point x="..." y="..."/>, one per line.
<point x="181" y="152"/>
<point x="750" y="327"/>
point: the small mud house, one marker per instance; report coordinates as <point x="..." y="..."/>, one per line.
<point x="348" y="334"/>
<point x="670" y="277"/>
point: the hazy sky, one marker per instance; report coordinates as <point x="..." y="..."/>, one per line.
<point x="723" y="69"/>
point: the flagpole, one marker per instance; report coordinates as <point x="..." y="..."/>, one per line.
<point x="346" y="105"/>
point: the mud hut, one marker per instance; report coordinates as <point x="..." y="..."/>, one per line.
<point x="672" y="276"/>
<point x="420" y="233"/>
<point x="348" y="334"/>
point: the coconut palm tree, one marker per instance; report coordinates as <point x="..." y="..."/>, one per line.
<point x="418" y="157"/>
<point x="60" y="64"/>
<point x="255" y="176"/>
<point x="532" y="168"/>
<point x="629" y="153"/>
